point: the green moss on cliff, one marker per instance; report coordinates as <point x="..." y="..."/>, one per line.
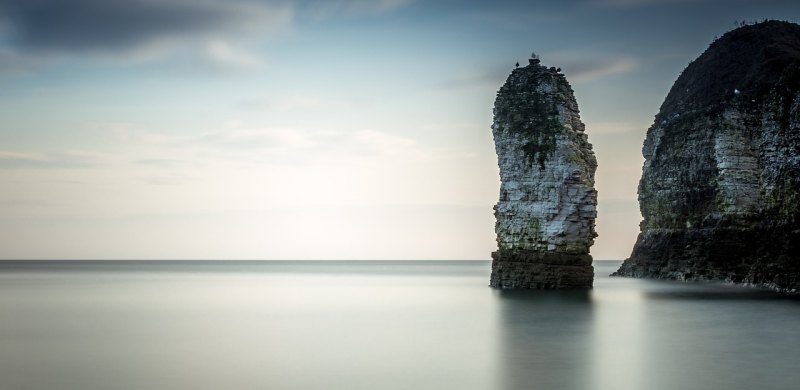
<point x="535" y="230"/>
<point x="534" y="114"/>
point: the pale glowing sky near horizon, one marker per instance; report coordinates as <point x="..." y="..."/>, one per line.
<point x="354" y="129"/>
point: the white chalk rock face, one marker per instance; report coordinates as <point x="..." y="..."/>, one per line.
<point x="547" y="207"/>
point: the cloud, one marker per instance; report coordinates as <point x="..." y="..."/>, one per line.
<point x="602" y="70"/>
<point x="120" y="25"/>
<point x="259" y="139"/>
<point x="160" y="162"/>
<point x="487" y="79"/>
<point x="296" y="103"/>
<point x="639" y="3"/>
<point x="168" y="180"/>
<point x="515" y="20"/>
<point x="616" y="127"/>
<point x="21" y="160"/>
<point x="272" y="146"/>
<point x="579" y="67"/>
<point x="15" y="64"/>
<point x="376" y="142"/>
<point x="370" y="6"/>
<point x="214" y="34"/>
<point x="291" y="146"/>
<point x="223" y="56"/>
<point x="584" y="66"/>
<point x="327" y="9"/>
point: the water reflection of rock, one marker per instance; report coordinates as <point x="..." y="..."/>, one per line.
<point x="543" y="339"/>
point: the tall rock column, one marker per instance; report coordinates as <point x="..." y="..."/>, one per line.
<point x="547" y="207"/>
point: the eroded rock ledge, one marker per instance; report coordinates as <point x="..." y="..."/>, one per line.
<point x="547" y="207"/>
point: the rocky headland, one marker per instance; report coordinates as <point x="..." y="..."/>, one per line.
<point x="547" y="207"/>
<point x="720" y="187"/>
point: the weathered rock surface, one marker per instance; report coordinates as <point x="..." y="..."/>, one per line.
<point x="720" y="187"/>
<point x="546" y="212"/>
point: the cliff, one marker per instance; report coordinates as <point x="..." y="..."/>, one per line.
<point x="720" y="187"/>
<point x="546" y="211"/>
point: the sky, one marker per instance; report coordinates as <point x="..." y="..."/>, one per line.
<point x="351" y="129"/>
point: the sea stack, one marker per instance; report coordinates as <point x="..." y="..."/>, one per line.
<point x="720" y="187"/>
<point x="547" y="207"/>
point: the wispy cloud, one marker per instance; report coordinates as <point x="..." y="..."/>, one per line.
<point x="295" y="103"/>
<point x="514" y="20"/>
<point x="223" y="33"/>
<point x="579" y="67"/>
<point x="168" y="179"/>
<point x="217" y="34"/>
<point x="486" y="79"/>
<point x="322" y="10"/>
<point x="586" y="66"/>
<point x="638" y="3"/>
<point x="14" y="64"/>
<point x="289" y="146"/>
<point x="615" y="127"/>
<point x="121" y="25"/>
<point x="259" y="139"/>
<point x="50" y="160"/>
<point x="221" y="55"/>
<point x="273" y="146"/>
<point x="614" y="67"/>
<point x="160" y="162"/>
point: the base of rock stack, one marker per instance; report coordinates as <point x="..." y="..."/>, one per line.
<point x="766" y="257"/>
<point x="540" y="270"/>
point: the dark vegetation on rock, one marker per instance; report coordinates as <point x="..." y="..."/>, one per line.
<point x="532" y="113"/>
<point x="720" y="188"/>
<point x="756" y="60"/>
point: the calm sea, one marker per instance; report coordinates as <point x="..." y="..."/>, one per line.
<point x="380" y="325"/>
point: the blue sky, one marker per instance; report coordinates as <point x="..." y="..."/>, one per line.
<point x="311" y="129"/>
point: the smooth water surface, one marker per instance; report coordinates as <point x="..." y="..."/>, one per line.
<point x="380" y="325"/>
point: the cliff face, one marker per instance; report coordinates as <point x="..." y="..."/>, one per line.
<point x="720" y="187"/>
<point x="546" y="212"/>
